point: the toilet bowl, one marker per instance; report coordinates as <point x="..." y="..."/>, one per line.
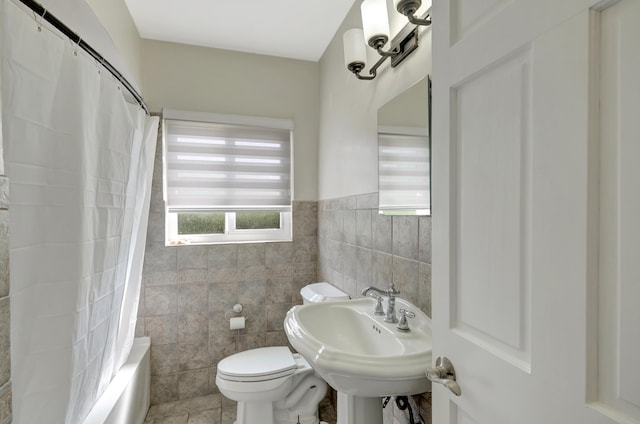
<point x="272" y="385"/>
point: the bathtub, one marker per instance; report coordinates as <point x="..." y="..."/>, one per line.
<point x="126" y="400"/>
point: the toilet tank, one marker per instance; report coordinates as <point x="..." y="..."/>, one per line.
<point x="322" y="292"/>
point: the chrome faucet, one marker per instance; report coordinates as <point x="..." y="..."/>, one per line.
<point x="391" y="293"/>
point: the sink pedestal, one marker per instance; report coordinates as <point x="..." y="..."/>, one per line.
<point x="359" y="410"/>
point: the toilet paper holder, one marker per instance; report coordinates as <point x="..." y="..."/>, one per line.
<point x="235" y="312"/>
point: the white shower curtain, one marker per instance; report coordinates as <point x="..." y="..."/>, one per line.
<point x="79" y="158"/>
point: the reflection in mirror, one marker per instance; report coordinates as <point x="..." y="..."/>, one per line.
<point x="404" y="153"/>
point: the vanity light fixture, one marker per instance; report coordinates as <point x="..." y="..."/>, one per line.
<point x="375" y="24"/>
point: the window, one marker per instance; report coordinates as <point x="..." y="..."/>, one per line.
<point x="227" y="178"/>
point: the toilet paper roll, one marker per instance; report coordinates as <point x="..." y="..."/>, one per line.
<point x="236" y="323"/>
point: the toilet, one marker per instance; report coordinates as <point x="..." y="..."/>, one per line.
<point x="272" y="385"/>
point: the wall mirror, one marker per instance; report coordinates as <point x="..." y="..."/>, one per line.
<point x="404" y="152"/>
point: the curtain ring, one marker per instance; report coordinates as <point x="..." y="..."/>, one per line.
<point x="101" y="65"/>
<point x="41" y="18"/>
<point x="76" y="45"/>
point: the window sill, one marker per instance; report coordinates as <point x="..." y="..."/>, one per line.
<point x="205" y="243"/>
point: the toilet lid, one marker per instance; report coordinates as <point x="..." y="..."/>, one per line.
<point x="264" y="363"/>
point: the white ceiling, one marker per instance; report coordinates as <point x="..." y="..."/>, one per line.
<point x="297" y="29"/>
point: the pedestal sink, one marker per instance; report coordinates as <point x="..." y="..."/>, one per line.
<point x="360" y="355"/>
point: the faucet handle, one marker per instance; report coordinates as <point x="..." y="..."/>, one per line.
<point x="378" y="310"/>
<point x="403" y="325"/>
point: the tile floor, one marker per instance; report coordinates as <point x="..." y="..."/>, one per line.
<point x="212" y="409"/>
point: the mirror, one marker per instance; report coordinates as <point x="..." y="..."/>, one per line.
<point x="404" y="152"/>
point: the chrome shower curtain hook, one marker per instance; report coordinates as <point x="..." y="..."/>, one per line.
<point x="101" y="65"/>
<point x="41" y="18"/>
<point x="76" y="45"/>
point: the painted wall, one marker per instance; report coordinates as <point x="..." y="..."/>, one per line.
<point x="348" y="111"/>
<point x="116" y="19"/>
<point x="201" y="79"/>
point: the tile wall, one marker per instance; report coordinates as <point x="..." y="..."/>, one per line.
<point x="5" y="354"/>
<point x="358" y="247"/>
<point x="188" y="289"/>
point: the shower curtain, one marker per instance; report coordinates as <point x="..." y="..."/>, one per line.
<point x="79" y="158"/>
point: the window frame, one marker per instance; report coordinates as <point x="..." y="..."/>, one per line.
<point x="231" y="233"/>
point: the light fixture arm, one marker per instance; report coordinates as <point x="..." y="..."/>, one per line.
<point x="390" y="53"/>
<point x="417" y="21"/>
<point x="357" y="67"/>
<point x="409" y="8"/>
<point x="378" y="42"/>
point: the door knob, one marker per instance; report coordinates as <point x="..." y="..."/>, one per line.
<point x="443" y="373"/>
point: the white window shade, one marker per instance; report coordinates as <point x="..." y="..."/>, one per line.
<point x="222" y="166"/>
<point x="404" y="172"/>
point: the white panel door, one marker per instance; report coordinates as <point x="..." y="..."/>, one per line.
<point x="619" y="291"/>
<point x="516" y="210"/>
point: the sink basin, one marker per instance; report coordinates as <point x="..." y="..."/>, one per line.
<point x="359" y="354"/>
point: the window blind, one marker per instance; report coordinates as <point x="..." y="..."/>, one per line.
<point x="404" y="173"/>
<point x="218" y="166"/>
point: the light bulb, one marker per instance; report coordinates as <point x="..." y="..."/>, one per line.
<point x="354" y="47"/>
<point x="375" y="19"/>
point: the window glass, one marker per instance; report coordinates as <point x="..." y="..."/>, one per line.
<point x="257" y="220"/>
<point x="201" y="223"/>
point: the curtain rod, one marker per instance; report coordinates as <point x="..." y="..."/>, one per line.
<point x="39" y="10"/>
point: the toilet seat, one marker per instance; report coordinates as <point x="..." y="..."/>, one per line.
<point x="261" y="364"/>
